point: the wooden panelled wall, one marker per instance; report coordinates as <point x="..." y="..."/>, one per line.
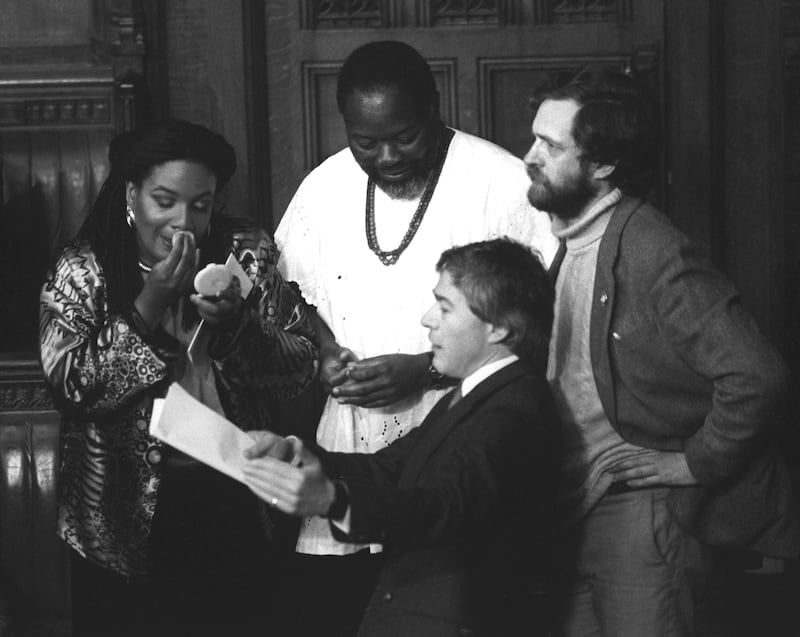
<point x="71" y="75"/>
<point x="54" y="135"/>
<point x="487" y="57"/>
<point x="790" y="160"/>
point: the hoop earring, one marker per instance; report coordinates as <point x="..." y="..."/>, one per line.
<point x="129" y="218"/>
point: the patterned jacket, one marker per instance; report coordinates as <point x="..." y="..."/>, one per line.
<point x="104" y="376"/>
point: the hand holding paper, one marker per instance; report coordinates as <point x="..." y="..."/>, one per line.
<point x="268" y="444"/>
<point x="185" y="423"/>
<point x="226" y="302"/>
<point x="299" y="488"/>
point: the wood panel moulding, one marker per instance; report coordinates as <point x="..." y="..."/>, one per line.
<point x="349" y="14"/>
<point x="388" y="14"/>
<point x="118" y="26"/>
<point x="22" y="386"/>
<point x="118" y="34"/>
<point x="583" y="11"/>
<point x="443" y="13"/>
<point x="41" y="102"/>
<point x="54" y="134"/>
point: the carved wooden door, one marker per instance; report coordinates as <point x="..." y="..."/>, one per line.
<point x="487" y="56"/>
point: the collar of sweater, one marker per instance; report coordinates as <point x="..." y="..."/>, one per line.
<point x="590" y="226"/>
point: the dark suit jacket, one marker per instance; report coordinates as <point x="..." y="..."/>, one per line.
<point x="679" y="365"/>
<point x="463" y="506"/>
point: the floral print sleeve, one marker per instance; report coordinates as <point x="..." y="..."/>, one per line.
<point x="93" y="361"/>
<point x="273" y="347"/>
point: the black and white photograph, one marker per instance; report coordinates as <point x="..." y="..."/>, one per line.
<point x="400" y="318"/>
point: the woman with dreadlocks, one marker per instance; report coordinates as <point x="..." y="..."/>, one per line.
<point x="161" y="543"/>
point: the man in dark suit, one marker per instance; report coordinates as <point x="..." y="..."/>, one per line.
<point x="462" y="504"/>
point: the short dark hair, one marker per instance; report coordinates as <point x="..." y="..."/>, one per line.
<point x="506" y="284"/>
<point x="617" y="123"/>
<point x="132" y="156"/>
<point x="388" y="64"/>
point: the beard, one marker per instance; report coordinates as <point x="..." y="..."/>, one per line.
<point x="566" y="200"/>
<point x="407" y="189"/>
<point x="413" y="186"/>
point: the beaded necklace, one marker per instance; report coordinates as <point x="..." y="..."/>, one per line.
<point x="144" y="268"/>
<point x="390" y="257"/>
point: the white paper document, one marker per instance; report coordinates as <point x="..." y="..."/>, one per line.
<point x="185" y="423"/>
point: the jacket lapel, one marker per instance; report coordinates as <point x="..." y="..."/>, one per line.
<point x="603" y="302"/>
<point x="441" y="420"/>
<point x="555" y="266"/>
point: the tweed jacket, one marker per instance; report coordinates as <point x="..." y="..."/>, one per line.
<point x="462" y="505"/>
<point x="679" y="365"/>
<point x="104" y="375"/>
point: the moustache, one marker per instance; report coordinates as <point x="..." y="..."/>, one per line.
<point x="534" y="173"/>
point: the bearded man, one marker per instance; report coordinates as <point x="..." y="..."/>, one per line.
<point x="663" y="383"/>
<point x="360" y="238"/>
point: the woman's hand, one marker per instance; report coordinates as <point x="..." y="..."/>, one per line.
<point x="169" y="279"/>
<point x="221" y="308"/>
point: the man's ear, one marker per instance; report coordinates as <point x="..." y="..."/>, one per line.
<point x="602" y="171"/>
<point x="496" y="333"/>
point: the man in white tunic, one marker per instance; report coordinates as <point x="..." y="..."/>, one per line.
<point x="361" y="237"/>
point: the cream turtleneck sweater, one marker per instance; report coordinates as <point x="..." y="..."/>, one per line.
<point x="592" y="446"/>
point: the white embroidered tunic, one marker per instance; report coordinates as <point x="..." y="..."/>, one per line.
<point x="375" y="309"/>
